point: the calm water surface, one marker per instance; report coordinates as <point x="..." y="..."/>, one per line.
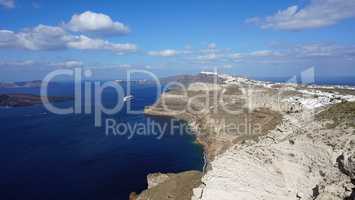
<point x="49" y="156"/>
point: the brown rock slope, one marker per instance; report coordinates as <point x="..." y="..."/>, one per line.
<point x="170" y="186"/>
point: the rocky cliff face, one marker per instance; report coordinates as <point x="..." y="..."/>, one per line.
<point x="170" y="186"/>
<point x="288" y="142"/>
<point x="298" y="160"/>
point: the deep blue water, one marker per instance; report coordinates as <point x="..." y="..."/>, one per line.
<point x="49" y="156"/>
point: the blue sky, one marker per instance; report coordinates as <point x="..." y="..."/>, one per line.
<point x="253" y="38"/>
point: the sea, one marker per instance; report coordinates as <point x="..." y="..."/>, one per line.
<point x="49" y="156"/>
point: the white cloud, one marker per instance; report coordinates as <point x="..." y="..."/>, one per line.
<point x="124" y="65"/>
<point x="319" y="13"/>
<point x="237" y="56"/>
<point x="44" y="37"/>
<point x="323" y="50"/>
<point x="208" y="57"/>
<point x="212" y="45"/>
<point x="16" y="63"/>
<point x="7" y="3"/>
<point x="7" y="38"/>
<point x="287" y="54"/>
<point x="227" y="66"/>
<point x="262" y="53"/>
<point x="95" y="22"/>
<point x="163" y="53"/>
<point x="68" y="64"/>
<point x="40" y="64"/>
<point x="86" y="43"/>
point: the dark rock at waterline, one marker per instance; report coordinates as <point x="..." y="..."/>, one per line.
<point x="23" y="84"/>
<point x="20" y="100"/>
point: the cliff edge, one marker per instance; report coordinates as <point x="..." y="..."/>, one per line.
<point x="265" y="140"/>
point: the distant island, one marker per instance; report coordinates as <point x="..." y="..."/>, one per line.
<point x="22" y="84"/>
<point x="20" y="100"/>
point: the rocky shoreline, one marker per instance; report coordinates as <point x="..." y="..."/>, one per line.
<point x="282" y="148"/>
<point x="22" y="100"/>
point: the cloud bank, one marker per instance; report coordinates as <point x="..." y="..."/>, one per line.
<point x="44" y="37"/>
<point x="163" y="53"/>
<point x="7" y="3"/>
<point x="319" y="13"/>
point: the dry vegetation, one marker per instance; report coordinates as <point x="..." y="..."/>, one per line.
<point x="339" y="114"/>
<point x="178" y="187"/>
